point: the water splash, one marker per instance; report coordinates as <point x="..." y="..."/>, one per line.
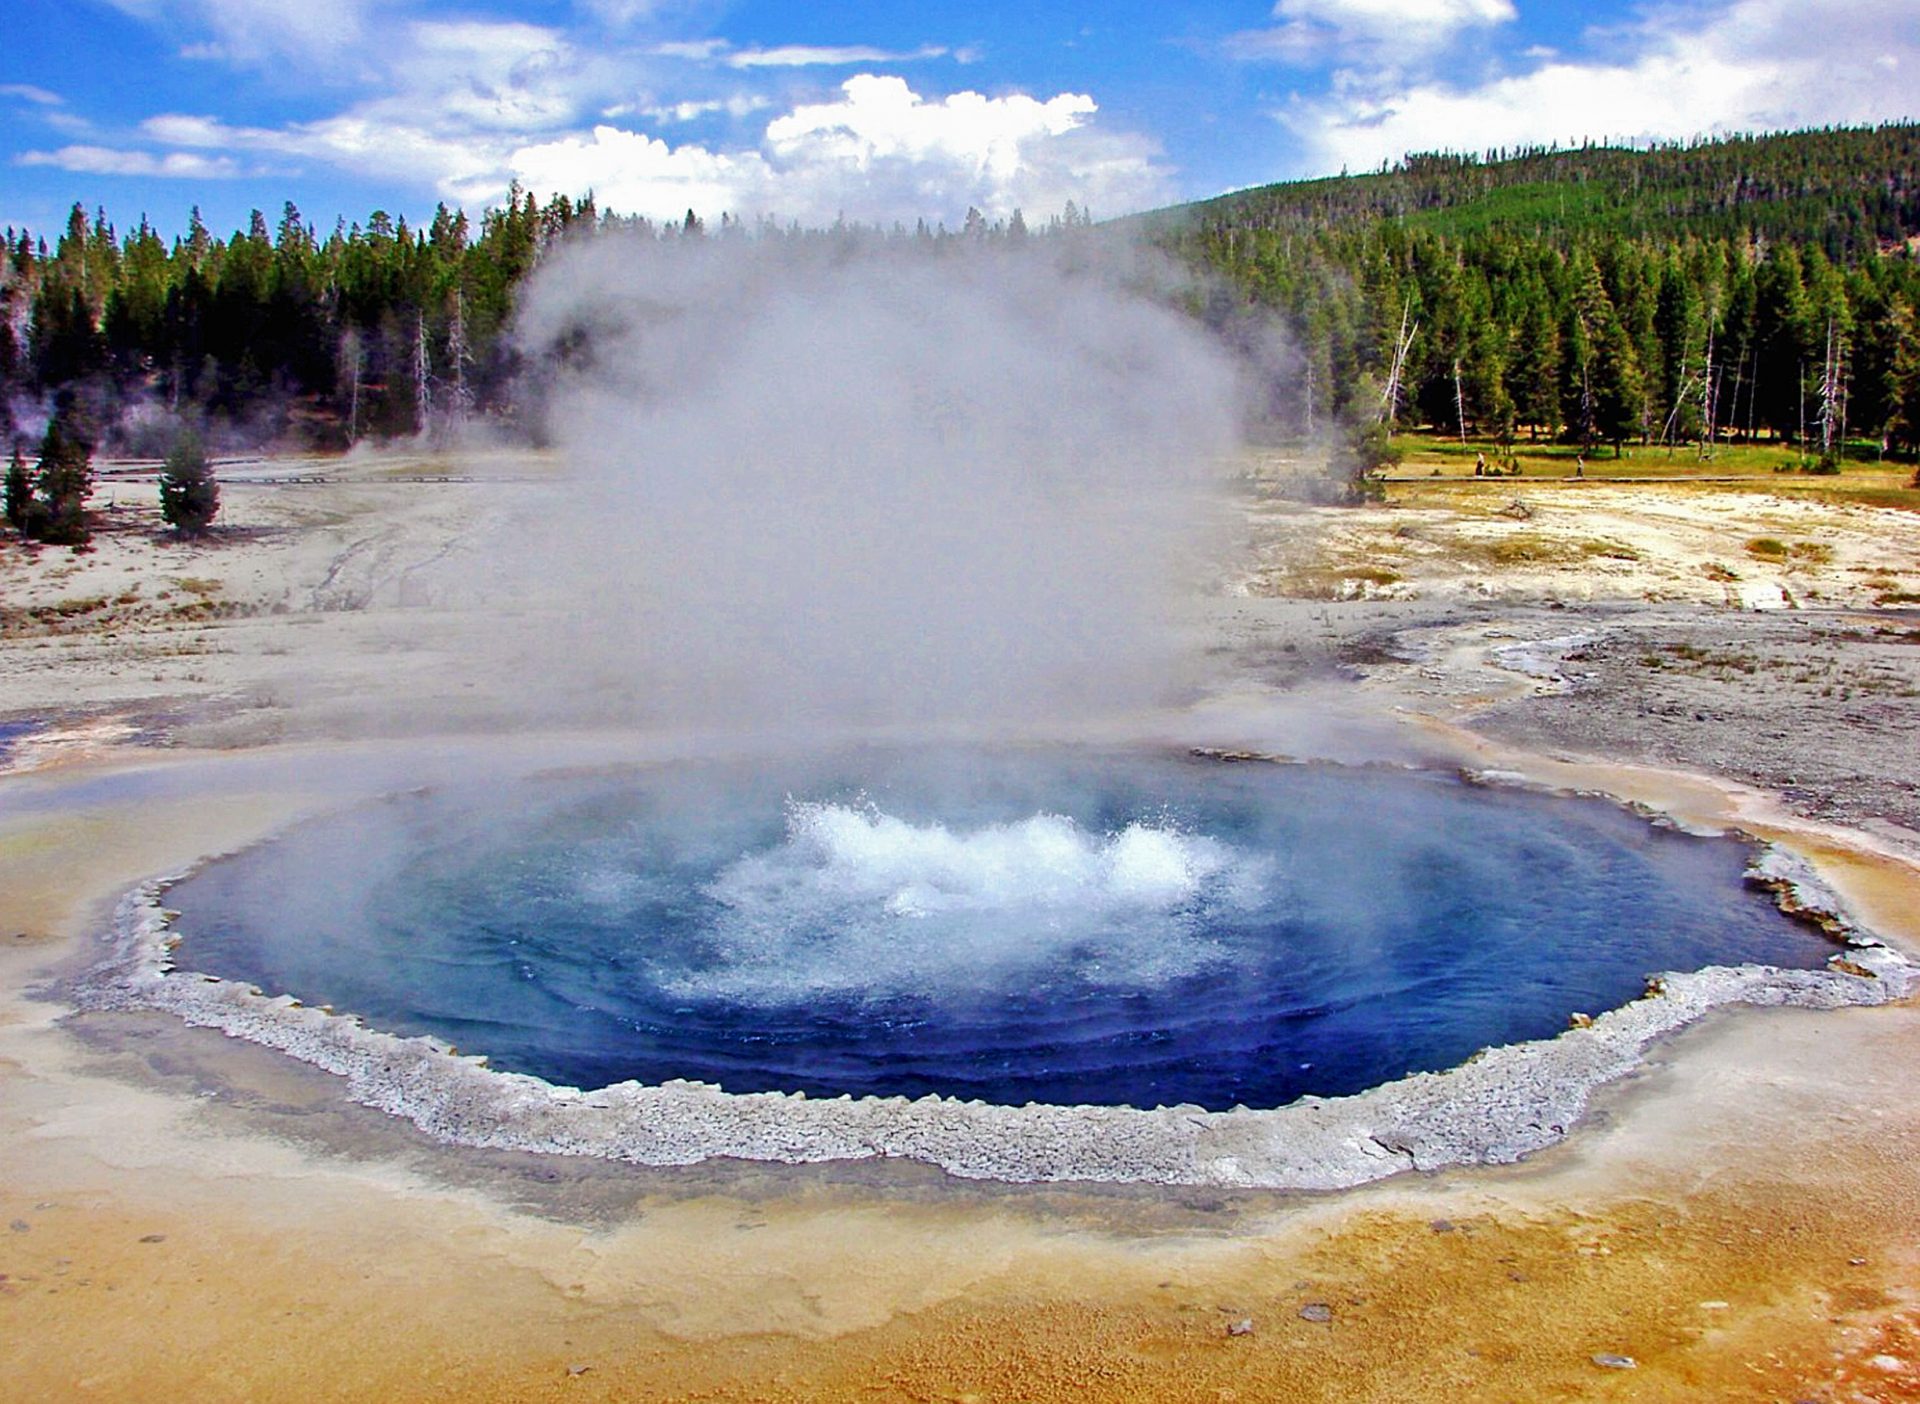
<point x="857" y="901"/>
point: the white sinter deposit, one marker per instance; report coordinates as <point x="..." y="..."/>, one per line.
<point x="1498" y="1107"/>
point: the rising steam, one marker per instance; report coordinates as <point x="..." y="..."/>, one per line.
<point x="825" y="484"/>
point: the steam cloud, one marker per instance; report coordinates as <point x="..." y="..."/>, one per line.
<point x="821" y="483"/>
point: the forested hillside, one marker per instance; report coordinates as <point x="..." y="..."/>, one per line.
<point x="270" y="335"/>
<point x="278" y="336"/>
<point x="1753" y="286"/>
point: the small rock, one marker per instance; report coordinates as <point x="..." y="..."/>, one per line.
<point x="1856" y="1262"/>
<point x="19" y="1225"/>
<point x="1616" y="1362"/>
<point x="1242" y="1327"/>
<point x="577" y="1370"/>
<point x="1713" y="1306"/>
<point x="153" y="1238"/>
<point x="1441" y="1225"/>
<point x="1316" y="1311"/>
<point x="1888" y="1364"/>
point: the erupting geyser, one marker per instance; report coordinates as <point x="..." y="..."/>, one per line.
<point x="1096" y="928"/>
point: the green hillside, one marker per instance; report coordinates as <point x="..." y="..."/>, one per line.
<point x="1745" y="288"/>
<point x="1848" y="190"/>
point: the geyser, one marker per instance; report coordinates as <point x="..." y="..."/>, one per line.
<point x="829" y="483"/>
<point x="1106" y="928"/>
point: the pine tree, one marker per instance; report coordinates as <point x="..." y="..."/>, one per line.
<point x="62" y="480"/>
<point x="19" y="493"/>
<point x="1535" y="377"/>
<point x="189" y="493"/>
<point x="1609" y="386"/>
<point x="1902" y="424"/>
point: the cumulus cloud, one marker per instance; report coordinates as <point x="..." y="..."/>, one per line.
<point x="1747" y="66"/>
<point x="879" y="151"/>
<point x="636" y="173"/>
<point x="1308" y="30"/>
<point x="877" y="119"/>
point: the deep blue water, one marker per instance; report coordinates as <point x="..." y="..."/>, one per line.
<point x="1090" y="927"/>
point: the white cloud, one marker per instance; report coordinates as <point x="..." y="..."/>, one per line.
<point x="462" y="95"/>
<point x="1399" y="29"/>
<point x="635" y="173"/>
<point x="456" y="166"/>
<point x="828" y="56"/>
<point x="738" y="106"/>
<point x="102" y="160"/>
<point x="313" y="33"/>
<point x="29" y="93"/>
<point x="463" y="106"/>
<point x="621" y="14"/>
<point x="793" y="55"/>
<point x="878" y="119"/>
<point x="882" y="152"/>
<point x="878" y="153"/>
<point x="696" y="50"/>
<point x="498" y="76"/>
<point x="1748" y="66"/>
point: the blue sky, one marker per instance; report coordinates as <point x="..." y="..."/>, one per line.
<point x="881" y="112"/>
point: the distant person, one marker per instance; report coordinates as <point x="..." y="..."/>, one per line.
<point x="1479" y="465"/>
<point x="1579" y="465"/>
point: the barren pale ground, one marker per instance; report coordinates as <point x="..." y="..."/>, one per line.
<point x="192" y="1218"/>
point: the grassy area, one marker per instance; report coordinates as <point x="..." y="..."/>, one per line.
<point x="1778" y="467"/>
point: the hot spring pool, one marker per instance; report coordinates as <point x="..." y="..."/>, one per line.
<point x="1099" y="928"/>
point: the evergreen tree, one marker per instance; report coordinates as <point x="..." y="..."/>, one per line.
<point x="1611" y="401"/>
<point x="62" y="480"/>
<point x="189" y="493"/>
<point x="1784" y="343"/>
<point x="1902" y="427"/>
<point x="1535" y="377"/>
<point x="19" y="493"/>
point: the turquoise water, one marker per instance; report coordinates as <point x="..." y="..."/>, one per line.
<point x="1080" y="927"/>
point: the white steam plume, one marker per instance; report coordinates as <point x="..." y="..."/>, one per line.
<point x="823" y="483"/>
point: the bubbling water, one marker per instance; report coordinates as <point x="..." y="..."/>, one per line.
<point x="856" y="901"/>
<point x="1107" y="927"/>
